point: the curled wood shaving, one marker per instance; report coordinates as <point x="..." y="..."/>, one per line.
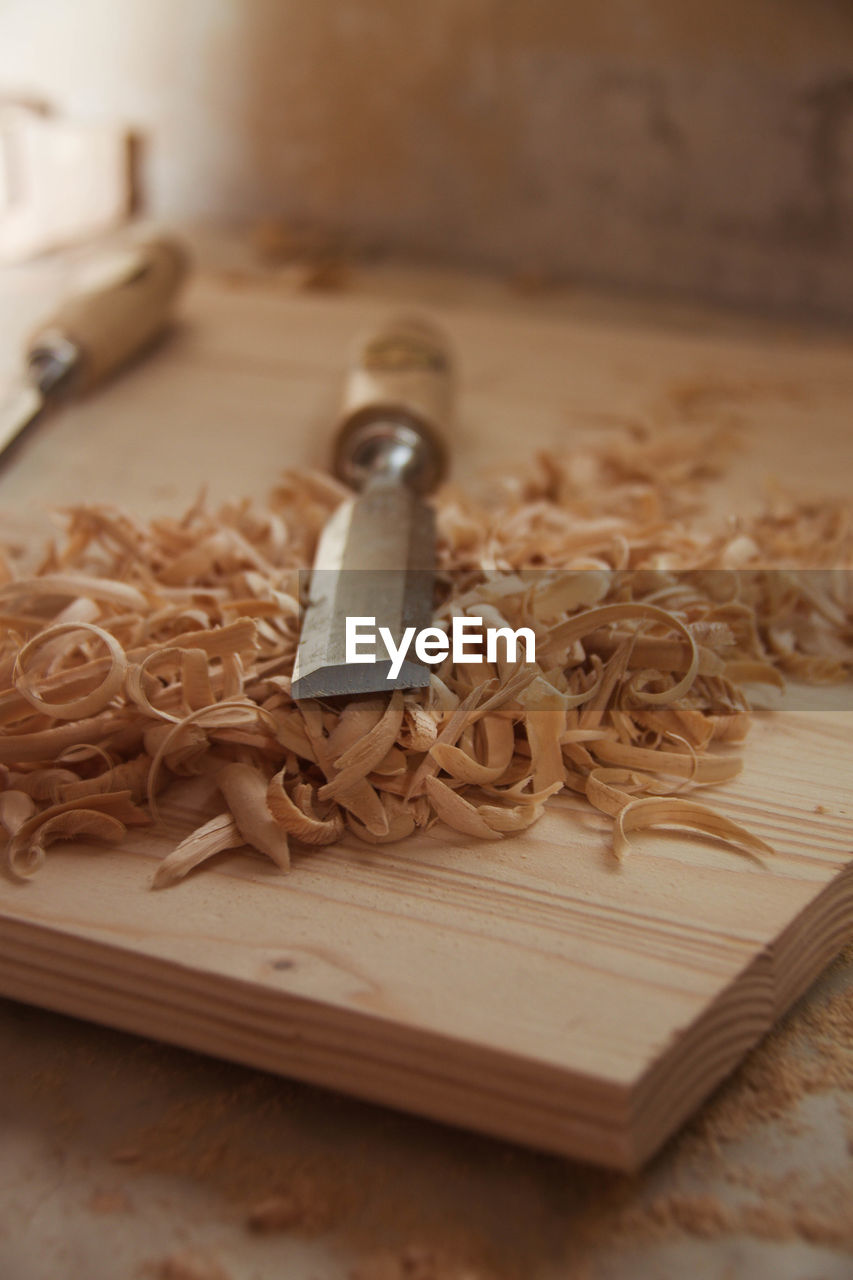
<point x="300" y="821"/>
<point x="707" y="769"/>
<point x="638" y="815"/>
<point x="86" y="704"/>
<point x="458" y="812"/>
<point x="137" y="653"/>
<point x="131" y="775"/>
<point x="100" y="817"/>
<point x="366" y="752"/>
<point x="76" y="586"/>
<point x="244" y="789"/>
<point x="16" y="808"/>
<point x="216" y="836"/>
<point x="401" y="819"/>
<point x="25" y="856"/>
<point x="222" y="715"/>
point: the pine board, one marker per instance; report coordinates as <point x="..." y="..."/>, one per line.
<point x="530" y="988"/>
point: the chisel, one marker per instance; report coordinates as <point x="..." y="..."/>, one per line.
<point x="375" y="560"/>
<point x="93" y="333"/>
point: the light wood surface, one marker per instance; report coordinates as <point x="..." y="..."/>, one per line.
<point x="530" y="988"/>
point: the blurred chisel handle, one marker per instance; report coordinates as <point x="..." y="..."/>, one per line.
<point x="397" y="408"/>
<point x="96" y="331"/>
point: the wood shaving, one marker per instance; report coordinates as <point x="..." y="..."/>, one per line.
<point x="414" y="1262"/>
<point x="301" y="1207"/>
<point x="216" y="836"/>
<point x="136" y="653"/>
<point x="188" y="1264"/>
<point x="109" y="1201"/>
<point x="311" y="256"/>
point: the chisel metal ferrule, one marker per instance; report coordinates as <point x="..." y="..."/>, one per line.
<point x="52" y="362"/>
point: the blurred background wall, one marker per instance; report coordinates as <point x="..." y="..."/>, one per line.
<point x="696" y="148"/>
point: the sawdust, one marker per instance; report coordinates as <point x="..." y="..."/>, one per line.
<point x="109" y="1200"/>
<point x="302" y="1207"/>
<point x="379" y="1177"/>
<point x="414" y="1263"/>
<point x="706" y="1217"/>
<point x="187" y="1264"/>
<point x="356" y="1182"/>
<point x="809" y="1053"/>
<point x="306" y="254"/>
<point x="578" y="1212"/>
<point x="532" y="281"/>
<point x="281" y="1157"/>
<point x="126" y="1155"/>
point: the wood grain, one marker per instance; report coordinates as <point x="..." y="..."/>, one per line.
<point x="530" y="988"/>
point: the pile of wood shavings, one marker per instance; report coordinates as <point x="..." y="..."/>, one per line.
<point x="137" y="653"/>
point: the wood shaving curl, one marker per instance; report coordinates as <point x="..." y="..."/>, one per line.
<point x="645" y="652"/>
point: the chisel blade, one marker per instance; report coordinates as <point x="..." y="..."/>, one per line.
<point x="376" y="560"/>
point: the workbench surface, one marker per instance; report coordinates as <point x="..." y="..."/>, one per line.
<point x="118" y="1154"/>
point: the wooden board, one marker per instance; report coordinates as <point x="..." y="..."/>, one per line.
<point x="530" y="988"/>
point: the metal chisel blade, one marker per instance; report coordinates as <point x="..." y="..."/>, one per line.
<point x="17" y="410"/>
<point x="375" y="559"/>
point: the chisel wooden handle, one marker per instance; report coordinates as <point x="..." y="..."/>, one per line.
<point x="98" y="330"/>
<point x="397" y="406"/>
